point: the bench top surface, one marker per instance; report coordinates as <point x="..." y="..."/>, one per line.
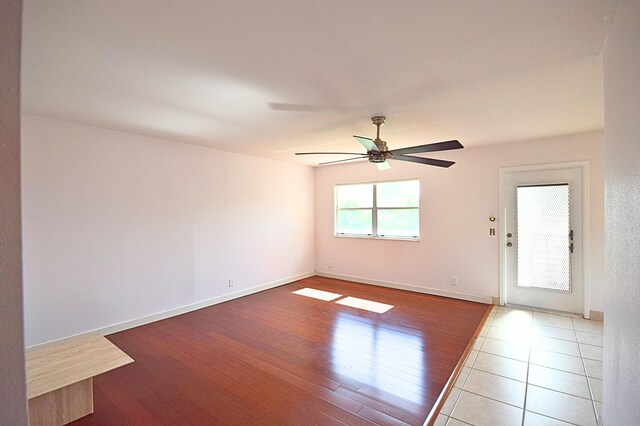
<point x="61" y="364"/>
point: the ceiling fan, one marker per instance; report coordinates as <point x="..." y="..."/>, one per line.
<point x="378" y="153"/>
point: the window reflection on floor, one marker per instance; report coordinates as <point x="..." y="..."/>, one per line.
<point x="382" y="356"/>
<point x="367" y="305"/>
<point x="317" y="294"/>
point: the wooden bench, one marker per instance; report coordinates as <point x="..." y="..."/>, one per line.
<point x="60" y="378"/>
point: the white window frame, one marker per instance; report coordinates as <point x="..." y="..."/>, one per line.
<point x="374" y="212"/>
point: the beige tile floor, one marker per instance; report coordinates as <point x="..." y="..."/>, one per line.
<point x="529" y="368"/>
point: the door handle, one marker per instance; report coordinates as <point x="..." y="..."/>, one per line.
<point x="571" y="241"/>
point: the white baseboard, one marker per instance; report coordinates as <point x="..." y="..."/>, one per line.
<point x="596" y="316"/>
<point x="125" y="325"/>
<point x="399" y="286"/>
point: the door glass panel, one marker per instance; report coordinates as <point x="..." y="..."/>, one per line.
<point x="543" y="237"/>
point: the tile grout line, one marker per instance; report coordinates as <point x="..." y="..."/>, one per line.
<point x="557" y="391"/>
<point x="529" y="365"/>
<point x="554" y="418"/>
<point x="507" y="403"/>
<point x="472" y="367"/>
<point x="580" y="355"/>
<point x="526" y="383"/>
<point x="453" y="407"/>
<point x="492" y="399"/>
<point x="548" y="350"/>
<point x="593" y="400"/>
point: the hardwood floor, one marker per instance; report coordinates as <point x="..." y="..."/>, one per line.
<point x="279" y="358"/>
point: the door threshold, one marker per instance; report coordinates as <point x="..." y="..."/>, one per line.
<point x="543" y="310"/>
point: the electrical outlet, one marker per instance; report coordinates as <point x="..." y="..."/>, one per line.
<point x="231" y="282"/>
<point x="453" y="280"/>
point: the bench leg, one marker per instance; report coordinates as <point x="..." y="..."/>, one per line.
<point x="62" y="406"/>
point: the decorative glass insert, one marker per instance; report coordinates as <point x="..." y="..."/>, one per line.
<point x="543" y="240"/>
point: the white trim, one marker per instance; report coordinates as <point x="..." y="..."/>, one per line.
<point x="586" y="238"/>
<point x="409" y="287"/>
<point x="375" y="237"/>
<point x="502" y="232"/>
<point x="584" y="166"/>
<point x="125" y="325"/>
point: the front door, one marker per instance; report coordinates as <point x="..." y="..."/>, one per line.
<point x="543" y="238"/>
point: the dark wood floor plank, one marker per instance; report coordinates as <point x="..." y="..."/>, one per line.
<point x="380" y="418"/>
<point x="185" y="367"/>
<point x="279" y="358"/>
<point x="347" y="349"/>
<point x="132" y="409"/>
<point x="301" y="383"/>
<point x="112" y="414"/>
<point x="383" y="407"/>
<point x="253" y="384"/>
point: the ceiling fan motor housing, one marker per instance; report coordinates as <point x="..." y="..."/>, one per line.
<point x="383" y="155"/>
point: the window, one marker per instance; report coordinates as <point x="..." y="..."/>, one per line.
<point x="378" y="210"/>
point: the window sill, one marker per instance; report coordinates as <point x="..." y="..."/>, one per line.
<point x="376" y="237"/>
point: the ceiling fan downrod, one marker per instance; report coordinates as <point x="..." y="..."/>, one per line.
<point x="384" y="154"/>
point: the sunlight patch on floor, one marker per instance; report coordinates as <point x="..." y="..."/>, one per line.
<point x="368" y="305"/>
<point x="317" y="294"/>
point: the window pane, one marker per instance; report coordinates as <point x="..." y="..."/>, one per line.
<point x="354" y="222"/>
<point x="543" y="237"/>
<point x="398" y="223"/>
<point x="398" y="194"/>
<point x="352" y="196"/>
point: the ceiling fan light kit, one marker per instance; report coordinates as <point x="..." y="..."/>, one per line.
<point x="379" y="153"/>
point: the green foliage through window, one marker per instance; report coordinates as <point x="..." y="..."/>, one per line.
<point x="381" y="209"/>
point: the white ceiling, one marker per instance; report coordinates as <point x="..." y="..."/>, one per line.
<point x="217" y="73"/>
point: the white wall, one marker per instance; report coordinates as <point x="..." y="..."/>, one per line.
<point x="119" y="226"/>
<point x="13" y="394"/>
<point x="622" y="159"/>
<point x="456" y="204"/>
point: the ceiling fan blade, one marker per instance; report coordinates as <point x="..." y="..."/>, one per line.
<point x="367" y="143"/>
<point x="343" y="153"/>
<point x="431" y="147"/>
<point x="421" y="160"/>
<point x="384" y="165"/>
<point x="340" y="161"/>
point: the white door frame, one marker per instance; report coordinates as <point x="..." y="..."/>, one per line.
<point x="586" y="225"/>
